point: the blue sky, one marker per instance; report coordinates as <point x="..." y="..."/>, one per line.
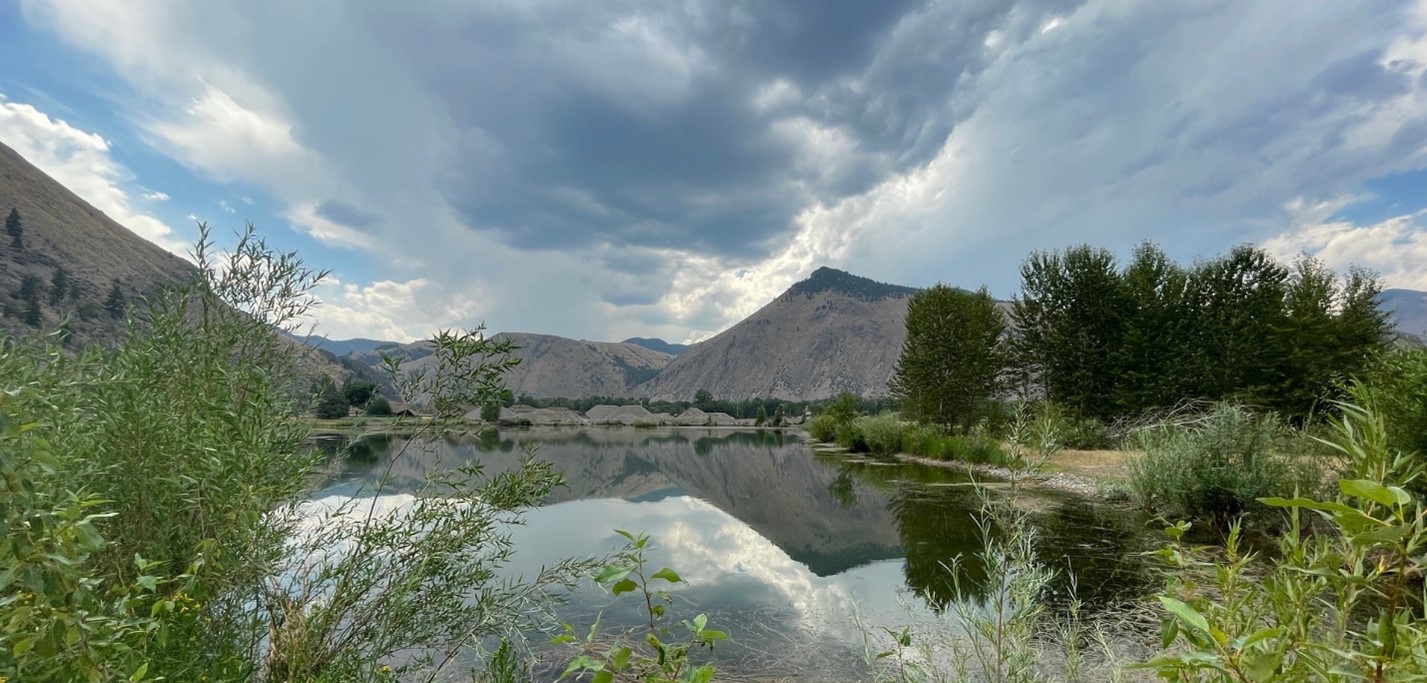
<point x="605" y="170"/>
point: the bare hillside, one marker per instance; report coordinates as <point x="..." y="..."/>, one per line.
<point x="830" y="333"/>
<point x="558" y="367"/>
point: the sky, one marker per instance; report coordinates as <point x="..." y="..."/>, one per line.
<point x="663" y="169"/>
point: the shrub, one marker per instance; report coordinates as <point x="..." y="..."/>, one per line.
<point x="917" y="439"/>
<point x="1395" y="389"/>
<point x="850" y="437"/>
<point x="822" y="428"/>
<point x="974" y="448"/>
<point x="1339" y="603"/>
<point x="881" y="434"/>
<point x="1215" y="470"/>
<point x="378" y="406"/>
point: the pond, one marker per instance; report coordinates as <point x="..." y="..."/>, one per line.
<point x="796" y="554"/>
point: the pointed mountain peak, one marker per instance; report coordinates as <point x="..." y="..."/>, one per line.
<point x="827" y="279"/>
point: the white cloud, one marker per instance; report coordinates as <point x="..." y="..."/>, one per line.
<point x="155" y="196"/>
<point x="1106" y="123"/>
<point x="1396" y="248"/>
<point x="397" y="311"/>
<point x="233" y="141"/>
<point x="81" y="161"/>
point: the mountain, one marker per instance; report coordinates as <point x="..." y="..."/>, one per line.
<point x="657" y="345"/>
<point x="830" y="333"/>
<point x="342" y="347"/>
<point x="1408" y="308"/>
<point x="62" y="232"/>
<point x="557" y="367"/>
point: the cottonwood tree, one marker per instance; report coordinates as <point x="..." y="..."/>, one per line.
<point x="1070" y="322"/>
<point x="953" y="358"/>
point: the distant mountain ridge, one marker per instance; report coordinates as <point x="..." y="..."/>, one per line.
<point x="826" y="334"/>
<point x="1409" y="310"/>
<point x="657" y="345"/>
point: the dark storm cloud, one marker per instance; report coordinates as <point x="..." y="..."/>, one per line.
<point x="659" y="126"/>
<point x="346" y="214"/>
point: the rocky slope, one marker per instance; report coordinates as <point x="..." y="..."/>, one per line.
<point x="830" y="333"/>
<point x="557" y="367"/>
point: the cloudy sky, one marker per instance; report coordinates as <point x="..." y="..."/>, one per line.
<point x="609" y="169"/>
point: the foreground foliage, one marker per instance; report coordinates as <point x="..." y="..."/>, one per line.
<point x="155" y="522"/>
<point x="1342" y="604"/>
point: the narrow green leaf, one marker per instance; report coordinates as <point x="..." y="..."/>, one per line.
<point x="1185" y="613"/>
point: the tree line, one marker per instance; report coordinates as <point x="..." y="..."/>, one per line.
<point x="1106" y="340"/>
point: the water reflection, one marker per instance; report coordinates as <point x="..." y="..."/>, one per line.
<point x="775" y="541"/>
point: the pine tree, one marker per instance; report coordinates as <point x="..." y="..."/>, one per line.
<point x="59" y="284"/>
<point x="115" y="303"/>
<point x="30" y="295"/>
<point x="779" y="418"/>
<point x="14" y="229"/>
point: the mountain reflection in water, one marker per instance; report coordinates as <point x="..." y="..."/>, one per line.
<point x="773" y="539"/>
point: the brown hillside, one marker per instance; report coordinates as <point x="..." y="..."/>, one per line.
<point x="830" y="333"/>
<point x="63" y="231"/>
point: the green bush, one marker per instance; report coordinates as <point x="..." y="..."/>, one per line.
<point x="822" y="428"/>
<point x="1215" y="470"/>
<point x="881" y="434"/>
<point x="977" y="449"/>
<point x="1396" y="389"/>
<point x="378" y="406"/>
<point x="850" y="437"/>
<point x="917" y="438"/>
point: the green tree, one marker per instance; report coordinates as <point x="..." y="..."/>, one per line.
<point x="357" y="392"/>
<point x="704" y="399"/>
<point x="761" y="418"/>
<point x="328" y="403"/>
<point x="1070" y="317"/>
<point x="1150" y="375"/>
<point x="1237" y="315"/>
<point x="59" y="284"/>
<point x="378" y="406"/>
<point x="953" y="358"/>
<point x="30" y="295"/>
<point x="115" y="303"/>
<point x="779" y="418"/>
<point x="14" y="229"/>
<point x="490" y="412"/>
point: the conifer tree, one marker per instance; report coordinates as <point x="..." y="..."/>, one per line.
<point x="14" y="229"/>
<point x="30" y="295"/>
<point x="115" y="303"/>
<point x="59" y="284"/>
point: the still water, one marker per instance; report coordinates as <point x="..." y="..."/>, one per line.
<point x="796" y="554"/>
